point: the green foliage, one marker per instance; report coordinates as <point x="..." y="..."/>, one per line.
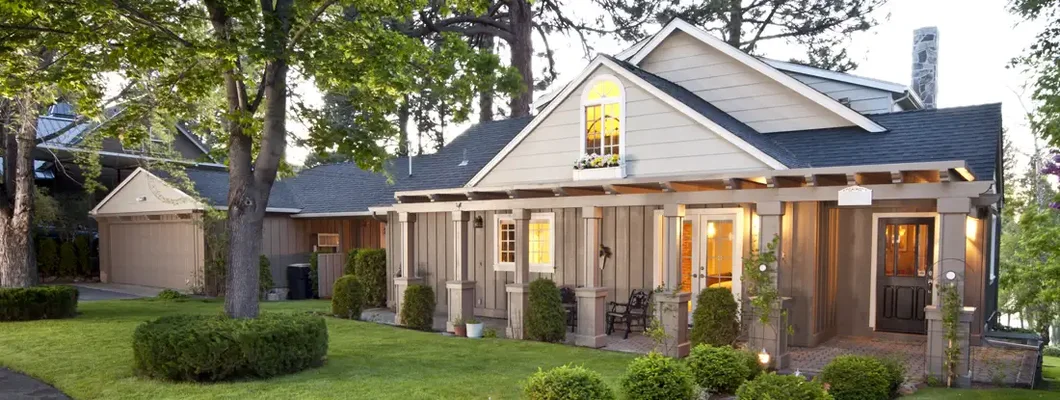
<point x="67" y="260"/>
<point x="417" y="310"/>
<point x="350" y="268"/>
<point x="170" y="294"/>
<point x="214" y="348"/>
<point x="715" y="321"/>
<point x="751" y="360"/>
<point x="348" y="298"/>
<point x="718" y="369"/>
<point x="1040" y="61"/>
<point x="761" y="286"/>
<point x="546" y="320"/>
<point x="264" y="275"/>
<point x="46" y="209"/>
<point x="567" y="382"/>
<point x="39" y="302"/>
<point x="314" y="275"/>
<point x="48" y="257"/>
<point x="489" y="333"/>
<point x="370" y="267"/>
<point x="84" y="255"/>
<point x="657" y="377"/>
<point x="951" y="315"/>
<point x="895" y="373"/>
<point x="781" y="387"/>
<point x="852" y="377"/>
<point x="1051" y="351"/>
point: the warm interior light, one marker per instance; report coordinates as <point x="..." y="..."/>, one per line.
<point x="971" y="226"/>
<point x="763" y="358"/>
<point x="711" y="231"/>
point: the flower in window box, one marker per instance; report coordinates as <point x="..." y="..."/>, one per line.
<point x="588" y="161"/>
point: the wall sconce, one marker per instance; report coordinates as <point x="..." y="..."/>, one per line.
<point x="971" y="227"/>
<point x="763" y="358"/>
<point x="478" y="222"/>
<point x="711" y="230"/>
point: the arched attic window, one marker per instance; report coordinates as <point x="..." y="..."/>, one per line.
<point x="603" y="105"/>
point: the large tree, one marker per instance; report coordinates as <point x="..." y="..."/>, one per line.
<point x="1042" y="59"/>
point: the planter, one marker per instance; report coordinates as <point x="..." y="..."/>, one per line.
<point x="460" y="330"/>
<point x="591" y="174"/>
<point x="474" y="330"/>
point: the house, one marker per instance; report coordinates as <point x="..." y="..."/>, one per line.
<point x="876" y="198"/>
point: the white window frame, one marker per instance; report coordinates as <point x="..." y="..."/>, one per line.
<point x="621" y="101"/>
<point x="548" y="268"/>
<point x="337" y="240"/>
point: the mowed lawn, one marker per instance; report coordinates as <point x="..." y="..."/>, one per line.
<point x="1050" y="370"/>
<point x="90" y="357"/>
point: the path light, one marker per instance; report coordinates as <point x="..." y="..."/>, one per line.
<point x="763" y="269"/>
<point x="951" y="275"/>
<point x="763" y="358"/>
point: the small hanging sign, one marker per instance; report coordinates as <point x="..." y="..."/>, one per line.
<point x="855" y="196"/>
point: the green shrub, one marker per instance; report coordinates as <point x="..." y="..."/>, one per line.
<point x="546" y="320"/>
<point x="84" y="255"/>
<point x="895" y="373"/>
<point x="348" y="298"/>
<point x="1051" y="351"/>
<point x="67" y="260"/>
<point x="856" y="378"/>
<point x="750" y="358"/>
<point x="567" y="382"/>
<point x="350" y="268"/>
<point x="781" y="387"/>
<point x="718" y="369"/>
<point x="715" y="320"/>
<point x="214" y="348"/>
<point x="314" y="276"/>
<point x="264" y="275"/>
<point x="370" y="267"/>
<point x="40" y="302"/>
<point x="489" y="333"/>
<point x="417" y="311"/>
<point x="48" y="257"/>
<point x="170" y="294"/>
<point x="656" y="376"/>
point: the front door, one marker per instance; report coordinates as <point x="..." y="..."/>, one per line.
<point x="903" y="268"/>
<point x="711" y="251"/>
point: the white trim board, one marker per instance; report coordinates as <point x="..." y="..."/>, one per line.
<point x="125" y="182"/>
<point x="651" y="89"/>
<point x="875" y="248"/>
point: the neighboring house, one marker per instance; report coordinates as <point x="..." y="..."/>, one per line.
<point x="876" y="201"/>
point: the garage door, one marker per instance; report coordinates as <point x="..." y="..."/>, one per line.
<point x="162" y="254"/>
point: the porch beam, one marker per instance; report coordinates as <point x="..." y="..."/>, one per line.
<point x="461" y="288"/>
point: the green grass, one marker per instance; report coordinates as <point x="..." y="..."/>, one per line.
<point x="90" y="357"/>
<point x="1050" y="370"/>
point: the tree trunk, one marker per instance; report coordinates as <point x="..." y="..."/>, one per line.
<point x="16" y="208"/>
<point x="735" y="24"/>
<point x="403" y="126"/>
<point x="485" y="99"/>
<point x="522" y="48"/>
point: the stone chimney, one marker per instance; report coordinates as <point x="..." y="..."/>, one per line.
<point x="926" y="65"/>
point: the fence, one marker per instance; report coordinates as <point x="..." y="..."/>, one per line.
<point x="329" y="270"/>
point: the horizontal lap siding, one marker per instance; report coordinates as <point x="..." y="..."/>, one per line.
<point x="862" y="99"/>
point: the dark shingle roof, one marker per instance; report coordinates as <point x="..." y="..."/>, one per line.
<point x="969" y="133"/>
<point x="212" y="185"/>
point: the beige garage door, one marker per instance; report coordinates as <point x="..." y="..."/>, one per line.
<point x="161" y="254"/>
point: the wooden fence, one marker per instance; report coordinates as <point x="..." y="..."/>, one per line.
<point x="329" y="270"/>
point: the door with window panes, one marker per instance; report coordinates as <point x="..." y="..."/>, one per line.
<point x="903" y="270"/>
<point x="709" y="254"/>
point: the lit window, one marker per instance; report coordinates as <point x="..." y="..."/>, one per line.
<point x="602" y="104"/>
<point x="541" y="242"/>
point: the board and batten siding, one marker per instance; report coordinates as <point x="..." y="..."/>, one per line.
<point x="863" y="99"/>
<point x="659" y="141"/>
<point x="737" y="89"/>
<point x="287" y="240"/>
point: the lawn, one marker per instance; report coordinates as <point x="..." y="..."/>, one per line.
<point x="1050" y="370"/>
<point x="90" y="357"/>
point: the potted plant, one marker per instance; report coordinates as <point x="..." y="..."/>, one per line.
<point x="459" y="329"/>
<point x="474" y="328"/>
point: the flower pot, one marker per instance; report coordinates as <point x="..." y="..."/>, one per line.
<point x="460" y="330"/>
<point x="474" y="330"/>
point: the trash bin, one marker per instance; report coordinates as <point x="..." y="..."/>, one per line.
<point x="298" y="282"/>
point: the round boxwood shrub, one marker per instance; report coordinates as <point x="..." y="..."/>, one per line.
<point x="778" y="387"/>
<point x="417" y="311"/>
<point x="214" y="348"/>
<point x="718" y="369"/>
<point x="895" y="373"/>
<point x="348" y="298"/>
<point x="856" y="378"/>
<point x="41" y="302"/>
<point x="715" y="320"/>
<point x="370" y="267"/>
<point x="546" y="320"/>
<point x="656" y="376"/>
<point x="567" y="382"/>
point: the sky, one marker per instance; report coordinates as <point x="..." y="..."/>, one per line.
<point x="978" y="39"/>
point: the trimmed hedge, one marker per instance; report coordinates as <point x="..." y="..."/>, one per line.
<point x="895" y="373"/>
<point x="348" y="297"/>
<point x="350" y="267"/>
<point x="48" y="257"/>
<point x="370" y="267"/>
<point x="656" y="376"/>
<point x="67" y="260"/>
<point x="567" y="382"/>
<point x="546" y="321"/>
<point x="857" y="378"/>
<point x="718" y="369"/>
<point x="417" y="310"/>
<point x="715" y="320"/>
<point x="84" y="254"/>
<point x="788" y="387"/>
<point x="214" y="348"/>
<point x="40" y="302"/>
<point x="264" y="275"/>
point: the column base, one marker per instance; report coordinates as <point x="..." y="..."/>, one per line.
<point x="672" y="312"/>
<point x="400" y="285"/>
<point x="937" y="344"/>
<point x="518" y="302"/>
<point x="461" y="302"/>
<point x="773" y="337"/>
<point x="590" y="329"/>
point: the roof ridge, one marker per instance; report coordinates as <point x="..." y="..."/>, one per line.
<point x="926" y="110"/>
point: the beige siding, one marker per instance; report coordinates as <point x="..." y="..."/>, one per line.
<point x="659" y="140"/>
<point x="160" y="251"/>
<point x="735" y="88"/>
<point x="146" y="193"/>
<point x="863" y="99"/>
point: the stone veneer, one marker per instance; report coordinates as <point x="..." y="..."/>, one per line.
<point x="926" y="65"/>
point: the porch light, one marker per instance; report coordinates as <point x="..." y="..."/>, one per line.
<point x="971" y="226"/>
<point x="763" y="357"/>
<point x="478" y="222"/>
<point x="762" y="268"/>
<point x="711" y="231"/>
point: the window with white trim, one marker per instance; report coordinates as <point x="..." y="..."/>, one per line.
<point x="327" y="243"/>
<point x="602" y="105"/>
<point x="542" y="242"/>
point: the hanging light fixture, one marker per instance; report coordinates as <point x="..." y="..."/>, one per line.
<point x="478" y="222"/>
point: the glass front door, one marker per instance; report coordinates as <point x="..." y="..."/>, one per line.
<point x="711" y="251"/>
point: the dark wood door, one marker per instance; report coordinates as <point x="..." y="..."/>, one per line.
<point x="903" y="268"/>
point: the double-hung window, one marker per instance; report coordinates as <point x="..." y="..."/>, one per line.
<point x="540" y="243"/>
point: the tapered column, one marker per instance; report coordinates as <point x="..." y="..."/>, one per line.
<point x="671" y="306"/>
<point x="772" y="337"/>
<point x="519" y="292"/>
<point x="461" y="288"/>
<point x="948" y="274"/>
<point x="407" y="226"/>
<point x="591" y="297"/>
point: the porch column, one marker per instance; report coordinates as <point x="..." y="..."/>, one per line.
<point x="591" y="297"/>
<point x="407" y="222"/>
<point x="461" y="288"/>
<point x="672" y="303"/>
<point x="953" y="222"/>
<point x="772" y="337"/>
<point x="519" y="292"/>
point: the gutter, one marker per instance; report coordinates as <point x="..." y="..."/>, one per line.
<point x="335" y="214"/>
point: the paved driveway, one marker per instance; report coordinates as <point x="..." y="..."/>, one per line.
<point x="15" y="386"/>
<point x="93" y="294"/>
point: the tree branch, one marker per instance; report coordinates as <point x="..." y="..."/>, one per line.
<point x="312" y="19"/>
<point x="34" y="28"/>
<point x="145" y="19"/>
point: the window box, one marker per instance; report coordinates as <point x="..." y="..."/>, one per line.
<point x="590" y="174"/>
